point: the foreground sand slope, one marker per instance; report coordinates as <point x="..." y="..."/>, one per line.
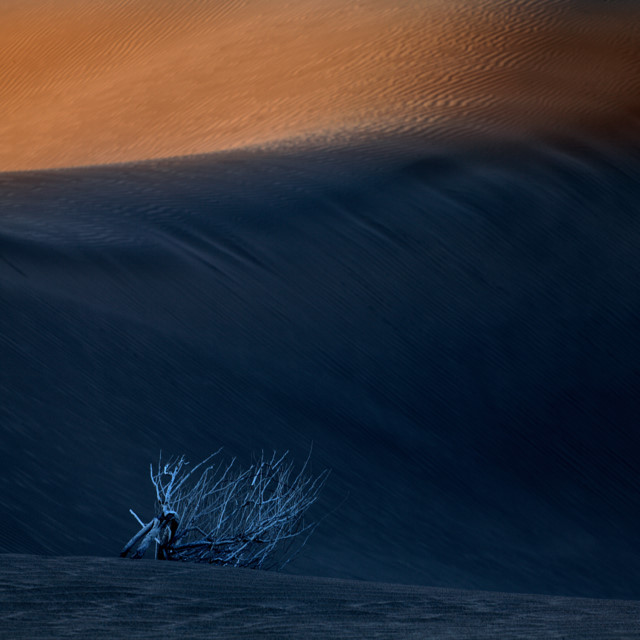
<point x="112" y="598"/>
<point x="91" y="82"/>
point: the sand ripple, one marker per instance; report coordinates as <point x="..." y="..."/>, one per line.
<point x="85" y="82"/>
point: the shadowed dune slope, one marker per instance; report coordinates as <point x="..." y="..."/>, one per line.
<point x="107" y="598"/>
<point x="455" y="331"/>
<point x="92" y="82"/>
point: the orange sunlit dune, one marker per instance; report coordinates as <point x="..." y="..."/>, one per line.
<point x="91" y="82"/>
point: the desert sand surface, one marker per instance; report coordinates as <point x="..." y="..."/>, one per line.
<point x="454" y="331"/>
<point x="93" y="82"/>
<point x="406" y="234"/>
<point x="111" y="598"/>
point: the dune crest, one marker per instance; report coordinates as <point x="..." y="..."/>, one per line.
<point x="108" y="598"/>
<point x="124" y="80"/>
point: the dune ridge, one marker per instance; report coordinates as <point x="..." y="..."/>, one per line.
<point x="126" y="80"/>
<point x="111" y="598"/>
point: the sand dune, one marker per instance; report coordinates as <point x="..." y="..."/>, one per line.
<point x="453" y="330"/>
<point x="452" y="324"/>
<point x="85" y="82"/>
<point x="108" y="598"/>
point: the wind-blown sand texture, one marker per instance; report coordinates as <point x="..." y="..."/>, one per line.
<point x="411" y="238"/>
<point x="109" y="598"/>
<point x="90" y="82"/>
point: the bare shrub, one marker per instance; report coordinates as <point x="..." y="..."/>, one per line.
<point x="220" y="514"/>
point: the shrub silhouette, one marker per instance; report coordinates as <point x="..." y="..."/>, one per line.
<point x="222" y="515"/>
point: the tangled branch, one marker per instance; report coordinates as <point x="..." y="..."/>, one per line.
<point x="222" y="515"/>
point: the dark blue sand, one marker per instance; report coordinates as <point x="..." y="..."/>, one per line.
<point x="456" y="332"/>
